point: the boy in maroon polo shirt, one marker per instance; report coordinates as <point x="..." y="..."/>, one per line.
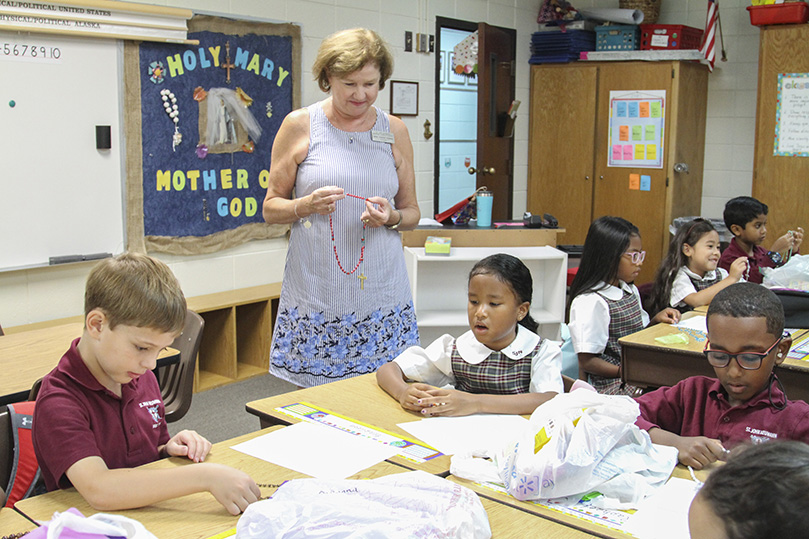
<point x="746" y="218"/>
<point x="704" y="417"/>
<point x="99" y="413"/>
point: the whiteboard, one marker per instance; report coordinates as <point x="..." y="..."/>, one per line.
<point x="59" y="195"/>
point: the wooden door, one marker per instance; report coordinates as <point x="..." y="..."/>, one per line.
<point x="495" y="148"/>
<point x="561" y="142"/>
<point x="612" y="195"/>
<point x="779" y="181"/>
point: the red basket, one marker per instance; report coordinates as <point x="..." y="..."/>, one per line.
<point x="669" y="36"/>
<point x="791" y="13"/>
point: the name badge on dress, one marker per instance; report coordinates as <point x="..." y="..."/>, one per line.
<point x="383" y="136"/>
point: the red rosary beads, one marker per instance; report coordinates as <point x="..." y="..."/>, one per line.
<point x="362" y="247"/>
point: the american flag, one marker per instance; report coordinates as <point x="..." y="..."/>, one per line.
<point x="708" y="48"/>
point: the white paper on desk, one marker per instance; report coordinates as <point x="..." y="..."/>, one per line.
<point x="317" y="450"/>
<point x="698" y="323"/>
<point x="664" y="514"/>
<point x="452" y="435"/>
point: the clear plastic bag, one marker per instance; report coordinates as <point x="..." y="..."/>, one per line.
<point x="410" y="504"/>
<point x="577" y="443"/>
<point x="794" y="274"/>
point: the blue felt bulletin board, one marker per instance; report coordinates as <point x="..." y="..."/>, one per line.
<point x="201" y="185"/>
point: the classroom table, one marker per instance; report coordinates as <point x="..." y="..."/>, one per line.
<point x="648" y="363"/>
<point x="201" y="516"/>
<point x="196" y="515"/>
<point x="29" y="355"/>
<point x="12" y="522"/>
<point x="573" y="524"/>
<point x="359" y="399"/>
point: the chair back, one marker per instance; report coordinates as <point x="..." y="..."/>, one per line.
<point x="177" y="380"/>
<point x="32" y="395"/>
<point x="6" y="448"/>
<point x="1" y="331"/>
<point x="796" y="307"/>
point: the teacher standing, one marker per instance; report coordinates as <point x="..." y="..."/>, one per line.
<point x="345" y="306"/>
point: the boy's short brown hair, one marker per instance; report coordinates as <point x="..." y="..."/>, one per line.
<point x="134" y="289"/>
<point x="348" y="51"/>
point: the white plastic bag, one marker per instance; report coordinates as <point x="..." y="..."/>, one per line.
<point x="72" y="523"/>
<point x="410" y="504"/>
<point x="794" y="274"/>
<point x="578" y="443"/>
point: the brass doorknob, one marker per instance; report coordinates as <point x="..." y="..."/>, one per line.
<point x="484" y="170"/>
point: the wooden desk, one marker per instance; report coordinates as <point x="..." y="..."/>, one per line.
<point x="360" y="399"/>
<point x="196" y="515"/>
<point x="12" y="522"/>
<point x="569" y="525"/>
<point x="201" y="516"/>
<point x="648" y="363"/>
<point x="471" y="236"/>
<point x="29" y="355"/>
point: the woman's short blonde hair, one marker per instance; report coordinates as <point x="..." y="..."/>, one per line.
<point x="137" y="290"/>
<point x="347" y="51"/>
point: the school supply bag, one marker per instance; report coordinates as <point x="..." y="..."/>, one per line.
<point x="71" y="524"/>
<point x="410" y="504"/>
<point x="794" y="274"/>
<point x="577" y="444"/>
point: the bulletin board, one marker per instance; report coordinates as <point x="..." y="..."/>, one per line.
<point x="201" y="121"/>
<point x="792" y="115"/>
<point x="59" y="195"/>
<point x="637" y="124"/>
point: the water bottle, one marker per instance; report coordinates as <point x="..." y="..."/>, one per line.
<point x="485" y="199"/>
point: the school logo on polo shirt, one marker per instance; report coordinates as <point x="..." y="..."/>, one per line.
<point x="155" y="414"/>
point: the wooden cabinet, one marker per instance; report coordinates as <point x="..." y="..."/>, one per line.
<point x="568" y="174"/>
<point x="439" y="287"/>
<point x="778" y="181"/>
<point x="236" y="339"/>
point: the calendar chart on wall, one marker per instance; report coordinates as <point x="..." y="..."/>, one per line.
<point x="637" y="123"/>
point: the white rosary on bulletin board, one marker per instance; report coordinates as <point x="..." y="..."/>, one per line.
<point x="170" y="106"/>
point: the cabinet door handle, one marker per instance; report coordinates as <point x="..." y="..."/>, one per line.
<point x="587" y="178"/>
<point x="601" y="177"/>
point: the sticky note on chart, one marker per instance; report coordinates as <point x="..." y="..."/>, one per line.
<point x="633" y="109"/>
<point x="623" y="133"/>
<point x="620" y="109"/>
<point x="634" y="182"/>
<point x="617" y="152"/>
<point x="651" y="152"/>
<point x="627" y="152"/>
<point x="637" y="132"/>
<point x="644" y="109"/>
<point x="655" y="109"/>
<point x="645" y="182"/>
<point x="640" y="152"/>
<point x="650" y="132"/>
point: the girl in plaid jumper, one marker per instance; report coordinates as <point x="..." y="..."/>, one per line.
<point x="605" y="304"/>
<point x="499" y="366"/>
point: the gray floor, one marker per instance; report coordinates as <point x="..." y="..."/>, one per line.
<point x="219" y="414"/>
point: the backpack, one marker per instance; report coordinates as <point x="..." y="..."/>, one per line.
<point x="25" y="468"/>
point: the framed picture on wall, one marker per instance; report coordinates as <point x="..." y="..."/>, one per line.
<point x="452" y="77"/>
<point x="404" y="98"/>
<point x="442" y="66"/>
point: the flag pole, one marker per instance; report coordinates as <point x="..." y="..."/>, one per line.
<point x="721" y="37"/>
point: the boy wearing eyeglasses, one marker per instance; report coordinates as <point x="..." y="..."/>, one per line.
<point x="705" y="417"/>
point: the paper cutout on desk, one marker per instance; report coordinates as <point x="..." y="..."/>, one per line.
<point x="664" y="514"/>
<point x="452" y="435"/>
<point x="696" y="323"/>
<point x="674" y="338"/>
<point x="317" y="450"/>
